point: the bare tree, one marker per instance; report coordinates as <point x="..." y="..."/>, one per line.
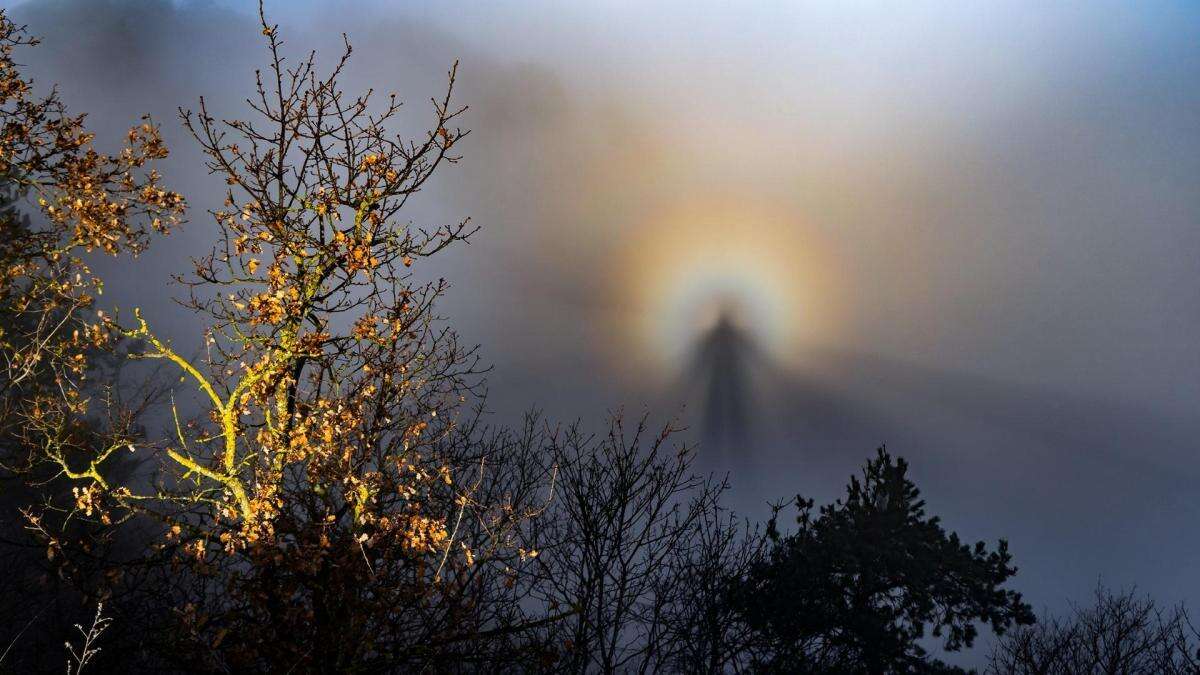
<point x="635" y="544"/>
<point x="1119" y="633"/>
<point x="703" y="632"/>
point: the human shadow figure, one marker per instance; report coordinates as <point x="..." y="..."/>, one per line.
<point x="721" y="362"/>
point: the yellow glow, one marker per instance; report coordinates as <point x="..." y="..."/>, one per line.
<point x="682" y="269"/>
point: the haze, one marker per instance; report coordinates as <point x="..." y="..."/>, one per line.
<point x="968" y="230"/>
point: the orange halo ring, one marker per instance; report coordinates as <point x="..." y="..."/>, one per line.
<point x="684" y="267"/>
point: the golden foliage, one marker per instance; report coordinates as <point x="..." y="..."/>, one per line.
<point x="312" y="444"/>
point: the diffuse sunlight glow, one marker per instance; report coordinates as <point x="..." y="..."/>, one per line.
<point x="686" y="268"/>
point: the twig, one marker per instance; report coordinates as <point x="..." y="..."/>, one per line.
<point x="22" y="632"/>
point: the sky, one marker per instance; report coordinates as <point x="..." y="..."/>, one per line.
<point x="966" y="229"/>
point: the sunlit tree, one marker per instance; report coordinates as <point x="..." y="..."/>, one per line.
<point x="64" y="423"/>
<point x="308" y="482"/>
<point x="85" y="202"/>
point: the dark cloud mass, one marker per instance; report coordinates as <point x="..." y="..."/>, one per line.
<point x="1004" y="200"/>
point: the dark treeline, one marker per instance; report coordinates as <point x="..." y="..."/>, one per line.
<point x="318" y="490"/>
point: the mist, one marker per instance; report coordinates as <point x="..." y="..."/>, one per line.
<point x="983" y="215"/>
